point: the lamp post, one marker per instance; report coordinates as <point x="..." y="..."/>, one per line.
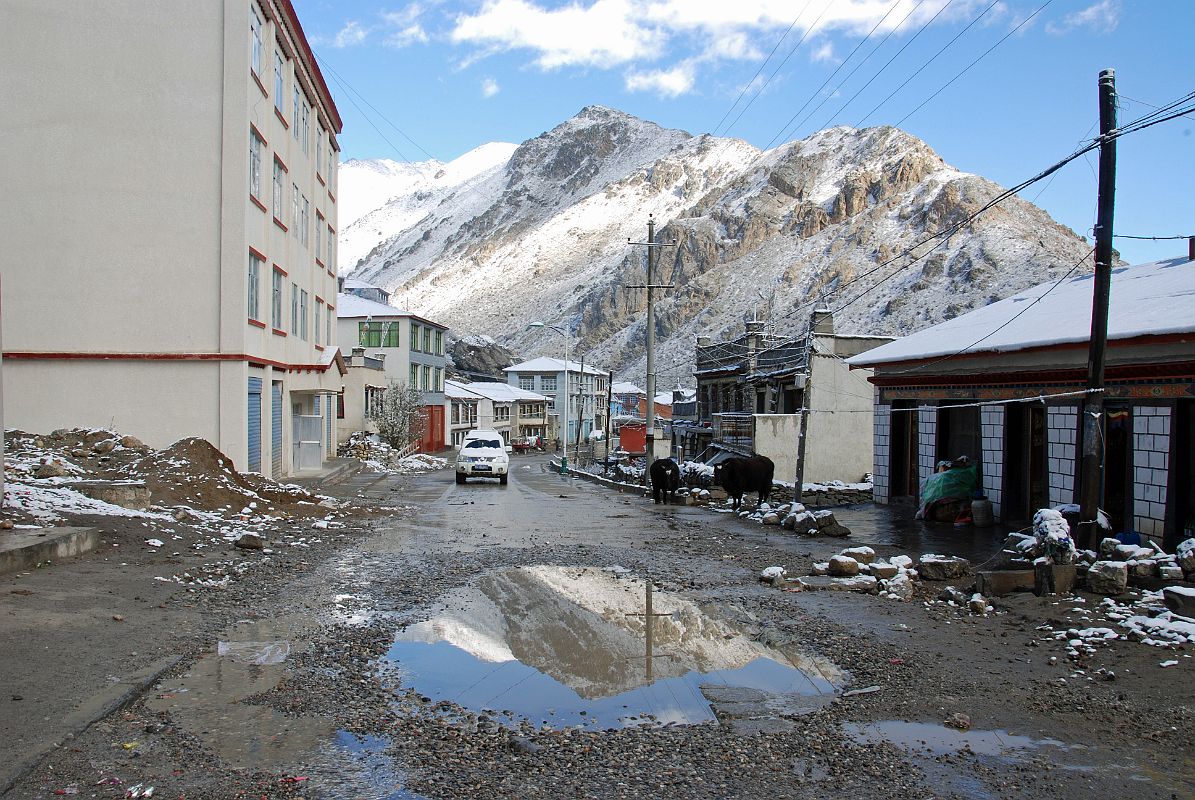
<point x="561" y="413"/>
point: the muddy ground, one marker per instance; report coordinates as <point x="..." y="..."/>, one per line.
<point x="334" y="717"/>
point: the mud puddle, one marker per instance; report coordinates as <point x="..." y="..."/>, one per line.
<point x="562" y="647"/>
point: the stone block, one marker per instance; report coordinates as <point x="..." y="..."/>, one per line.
<point x="1108" y="577"/>
<point x="864" y="555"/>
<point x="884" y="570"/>
<point x="859" y="583"/>
<point x="843" y="566"/>
<point x="942" y="568"/>
<point x="1180" y="599"/>
<point x="1001" y="582"/>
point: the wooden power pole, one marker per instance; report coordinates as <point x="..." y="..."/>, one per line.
<point x="1091" y="475"/>
<point x="651" y="245"/>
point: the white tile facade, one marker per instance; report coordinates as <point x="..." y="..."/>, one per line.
<point x="927" y="440"/>
<point x="881" y="449"/>
<point x="1151" y="468"/>
<point x="991" y="420"/>
<point x="1062" y="424"/>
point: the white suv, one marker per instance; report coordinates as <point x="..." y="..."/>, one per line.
<point x="483" y="454"/>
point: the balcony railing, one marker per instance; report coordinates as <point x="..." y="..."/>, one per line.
<point x="735" y="430"/>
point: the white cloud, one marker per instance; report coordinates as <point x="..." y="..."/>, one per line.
<point x="412" y="34"/>
<point x="489" y="87"/>
<point x="664" y="82"/>
<point x="1102" y="17"/>
<point x="352" y="33"/>
<point x="404" y="27"/>
<point x="604" y="34"/>
<point x="823" y="52"/>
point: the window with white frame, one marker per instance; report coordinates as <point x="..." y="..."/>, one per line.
<point x="303" y="314"/>
<point x="331" y="163"/>
<point x="294" y="209"/>
<point x="438" y="379"/>
<point x="277" y="190"/>
<point x="319" y="235"/>
<point x="328" y="324"/>
<point x="306" y="128"/>
<point x="294" y="309"/>
<point x="255" y="145"/>
<point x="547" y="383"/>
<point x="319" y="320"/>
<point x="414" y="379"/>
<point x="527" y="382"/>
<point x="294" y="116"/>
<point x="255" y="40"/>
<point x="306" y="236"/>
<point x="279" y="81"/>
<point x="276" y="301"/>
<point x="331" y="249"/>
<point x="439" y="343"/>
<point x="255" y="265"/>
<point x="427" y="377"/>
<point x="319" y="148"/>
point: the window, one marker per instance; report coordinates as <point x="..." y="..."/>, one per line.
<point x="294" y="309"/>
<point x="294" y="116"/>
<point x="527" y="382"/>
<point x="255" y="40"/>
<point x="547" y="383"/>
<point x="331" y="251"/>
<point x="414" y="379"/>
<point x="439" y="343"/>
<point x="378" y="334"/>
<point x="279" y="83"/>
<point x="415" y="337"/>
<point x="255" y="144"/>
<point x="305" y="237"/>
<point x="303" y="315"/>
<point x="294" y="208"/>
<point x="438" y="382"/>
<point x="306" y="128"/>
<point x="319" y="234"/>
<point x="502" y="413"/>
<point x="255" y="265"/>
<point x="331" y="163"/>
<point x="328" y="323"/>
<point x="276" y="302"/>
<point x="277" y="190"/>
<point x="319" y="148"/>
<point x="427" y="340"/>
<point x="340" y="405"/>
<point x="319" y="320"/>
<point x="427" y="377"/>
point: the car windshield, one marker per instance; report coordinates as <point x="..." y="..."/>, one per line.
<point x="480" y="443"/>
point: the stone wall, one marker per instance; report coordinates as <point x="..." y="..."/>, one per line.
<point x="882" y="453"/>
<point x="992" y="459"/>
<point x="1062" y="424"/>
<point x="927" y="441"/>
<point x="1151" y="468"/>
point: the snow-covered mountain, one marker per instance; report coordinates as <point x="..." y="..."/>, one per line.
<point x="543" y="235"/>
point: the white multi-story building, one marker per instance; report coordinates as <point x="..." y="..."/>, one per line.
<point x="492" y="406"/>
<point x="587" y="404"/>
<point x="169" y="206"/>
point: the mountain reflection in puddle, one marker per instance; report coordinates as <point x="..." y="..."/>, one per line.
<point x="565" y="646"/>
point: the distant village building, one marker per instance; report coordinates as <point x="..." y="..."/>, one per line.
<point x="170" y="221"/>
<point x="750" y="392"/>
<point x="364" y="386"/>
<point x="410" y="348"/>
<point x="494" y="406"/>
<point x="1005" y="383"/>
<point x="586" y="404"/>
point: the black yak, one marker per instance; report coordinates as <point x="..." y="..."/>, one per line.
<point x="665" y="480"/>
<point x="739" y="475"/>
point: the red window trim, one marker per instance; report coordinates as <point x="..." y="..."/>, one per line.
<point x="258" y="253"/>
<point x="260" y="85"/>
<point x="261" y="136"/>
<point x="281" y="224"/>
<point x="280" y="269"/>
<point x="319" y="299"/>
<point x="258" y="203"/>
<point x="281" y="163"/>
<point x="331" y="196"/>
<point x="281" y="118"/>
<point x="256" y="361"/>
<point x="320" y="178"/>
<point x="319" y="347"/>
<point x="319" y="215"/>
<point x="257" y="323"/>
<point x="319" y="263"/>
<point x="278" y="332"/>
<point x="331" y="274"/>
<point x="332" y="231"/>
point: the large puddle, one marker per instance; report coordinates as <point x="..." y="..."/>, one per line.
<point x="563" y="647"/>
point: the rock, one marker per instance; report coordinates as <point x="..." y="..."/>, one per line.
<point x="953" y="594"/>
<point x="801" y="522"/>
<point x="843" y="566"/>
<point x="900" y="587"/>
<point x="78" y="452"/>
<point x="901" y="562"/>
<point x="1179" y="599"/>
<point x="1142" y="570"/>
<point x="250" y="541"/>
<point x="1170" y="572"/>
<point x="859" y="583"/>
<point x="5" y="524"/>
<point x="1108" y="577"/>
<point x="820" y="568"/>
<point x="105" y="446"/>
<point x="1108" y="548"/>
<point x="933" y="567"/>
<point x="1185" y="556"/>
<point x="835" y="531"/>
<point x="91" y="437"/>
<point x="960" y="722"/>
<point x="1132" y="552"/>
<point x="978" y="604"/>
<point x="884" y="570"/>
<point x="521" y="744"/>
<point x="771" y="518"/>
<point x="181" y="515"/>
<point x="51" y="469"/>
<point x="772" y="575"/>
<point x="998" y="583"/>
<point x="131" y="442"/>
<point x="864" y="555"/>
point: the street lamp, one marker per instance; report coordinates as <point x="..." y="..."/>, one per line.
<point x="561" y="413"/>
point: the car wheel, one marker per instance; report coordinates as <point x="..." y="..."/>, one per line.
<point x="460" y="478"/>
<point x="502" y="479"/>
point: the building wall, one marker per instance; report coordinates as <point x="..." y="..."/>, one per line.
<point x="927" y="442"/>
<point x="840" y="422"/>
<point x="1151" y="468"/>
<point x="1062" y="424"/>
<point x="991" y="419"/>
<point x="882" y="436"/>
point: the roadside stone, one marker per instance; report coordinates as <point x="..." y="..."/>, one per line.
<point x="953" y="594"/>
<point x="858" y="583"/>
<point x="901" y="562"/>
<point x="182" y="515"/>
<point x="1108" y="577"/>
<point x="884" y="570"/>
<point x="960" y="722"/>
<point x="250" y="541"/>
<point x="864" y="555"/>
<point x="1108" y="548"/>
<point x="5" y="524"/>
<point x="1170" y="572"/>
<point x="900" y="587"/>
<point x="772" y="575"/>
<point x="51" y="469"/>
<point x="91" y="437"/>
<point x="105" y="446"/>
<point x="1185" y="556"/>
<point x="933" y="567"/>
<point x="132" y="442"/>
<point x="978" y="604"/>
<point x="1142" y="570"/>
<point x="843" y="566"/>
<point x="801" y="522"/>
<point x="771" y="518"/>
<point x="820" y="568"/>
<point x="1179" y="599"/>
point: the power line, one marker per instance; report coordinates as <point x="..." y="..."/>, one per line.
<point x="1151" y="238"/>
<point x="931" y="60"/>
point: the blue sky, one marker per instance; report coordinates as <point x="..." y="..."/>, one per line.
<point x="435" y="79"/>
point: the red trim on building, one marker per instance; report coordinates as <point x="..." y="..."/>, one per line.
<point x="280" y="269"/>
<point x="320" y="178"/>
<point x="1076" y="376"/>
<point x="331" y="196"/>
<point x="292" y="20"/>
<point x="319" y="347"/>
<point x="319" y="263"/>
<point x="260" y="135"/>
<point x="257" y="323"/>
<point x="282" y="164"/>
<point x="331" y="274"/>
<point x="281" y="224"/>
<point x="251" y="360"/>
<point x="258" y="253"/>
<point x="278" y="332"/>
<point x="257" y="80"/>
<point x="281" y="118"/>
<point x="258" y="203"/>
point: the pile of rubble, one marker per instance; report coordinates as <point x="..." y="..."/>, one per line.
<point x="381" y="457"/>
<point x="858" y="569"/>
<point x="1116" y="566"/>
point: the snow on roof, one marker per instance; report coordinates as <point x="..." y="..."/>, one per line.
<point x="1146" y="300"/>
<point x="664" y="399"/>
<point x="490" y="390"/>
<point x="350" y="305"/>
<point x="546" y="364"/>
<point x="357" y="283"/>
<point x="622" y="387"/>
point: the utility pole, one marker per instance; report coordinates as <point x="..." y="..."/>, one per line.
<point x="580" y="406"/>
<point x="649" y="630"/>
<point x="803" y="436"/>
<point x="1092" y="473"/>
<point x="651" y="245"/>
<point x="609" y="406"/>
